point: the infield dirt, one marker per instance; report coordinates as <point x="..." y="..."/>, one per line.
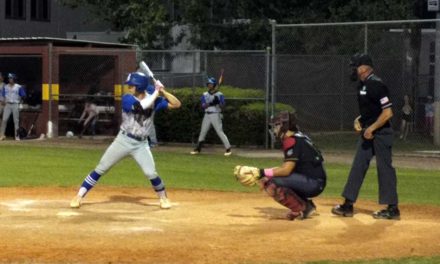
<point x="125" y="225"/>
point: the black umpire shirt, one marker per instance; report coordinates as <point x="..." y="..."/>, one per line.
<point x="373" y="97"/>
<point x="308" y="159"/>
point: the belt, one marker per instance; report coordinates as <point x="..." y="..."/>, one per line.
<point x="212" y="113"/>
<point x="11" y="103"/>
<point x="130" y="135"/>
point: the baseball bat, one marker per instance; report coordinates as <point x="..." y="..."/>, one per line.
<point x="220" y="79"/>
<point x="145" y="69"/>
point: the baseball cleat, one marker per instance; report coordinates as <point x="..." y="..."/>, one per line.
<point x="76" y="202"/>
<point x="343" y="210"/>
<point x="164" y="203"/>
<point x="2" y="138"/>
<point x="195" y="152"/>
<point x="310" y="209"/>
<point x="388" y="213"/>
<point x="228" y="152"/>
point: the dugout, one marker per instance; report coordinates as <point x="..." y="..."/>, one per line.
<point x="61" y="74"/>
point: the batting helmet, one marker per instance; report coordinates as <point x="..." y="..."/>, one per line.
<point x="212" y="80"/>
<point x="138" y="80"/>
<point x="12" y="76"/>
<point x="150" y="89"/>
<point x="287" y="121"/>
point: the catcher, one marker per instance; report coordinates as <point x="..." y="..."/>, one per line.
<point x="299" y="178"/>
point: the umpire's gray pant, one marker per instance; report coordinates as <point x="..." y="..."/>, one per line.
<point x="215" y="120"/>
<point x="7" y="110"/>
<point x="380" y="146"/>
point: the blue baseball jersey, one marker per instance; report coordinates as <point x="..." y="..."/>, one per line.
<point x="207" y="100"/>
<point x="13" y="94"/>
<point x="135" y="119"/>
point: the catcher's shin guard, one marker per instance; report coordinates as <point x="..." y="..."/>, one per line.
<point x="286" y="197"/>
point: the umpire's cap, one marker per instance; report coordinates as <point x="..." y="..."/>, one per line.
<point x="359" y="59"/>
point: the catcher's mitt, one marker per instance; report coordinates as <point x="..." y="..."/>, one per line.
<point x="247" y="175"/>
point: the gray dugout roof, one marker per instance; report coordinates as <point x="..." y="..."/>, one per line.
<point x="66" y="42"/>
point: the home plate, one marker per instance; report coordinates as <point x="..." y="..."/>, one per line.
<point x="67" y="213"/>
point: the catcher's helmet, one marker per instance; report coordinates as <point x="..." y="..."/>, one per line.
<point x="12" y="76"/>
<point x="359" y="59"/>
<point x="138" y="80"/>
<point x="287" y="121"/>
<point x="212" y="80"/>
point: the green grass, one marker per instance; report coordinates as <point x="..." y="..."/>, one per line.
<point x="29" y="165"/>
<point x="52" y="166"/>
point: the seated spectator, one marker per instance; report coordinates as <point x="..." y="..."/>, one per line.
<point x="407" y="112"/>
<point x="89" y="116"/>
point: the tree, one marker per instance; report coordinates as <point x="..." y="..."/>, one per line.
<point x="245" y="24"/>
<point x="228" y="24"/>
<point x="145" y="21"/>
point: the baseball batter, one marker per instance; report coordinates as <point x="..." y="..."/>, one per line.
<point x="132" y="139"/>
<point x="212" y="102"/>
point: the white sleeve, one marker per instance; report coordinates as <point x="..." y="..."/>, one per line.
<point x="149" y="100"/>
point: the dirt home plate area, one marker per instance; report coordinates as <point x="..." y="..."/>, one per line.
<point x="125" y="225"/>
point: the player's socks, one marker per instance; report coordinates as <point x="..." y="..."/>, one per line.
<point x="159" y="187"/>
<point x="88" y="183"/>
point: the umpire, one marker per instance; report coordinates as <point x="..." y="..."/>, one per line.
<point x="376" y="139"/>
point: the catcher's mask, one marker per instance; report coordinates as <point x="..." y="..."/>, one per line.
<point x="282" y="123"/>
<point x="357" y="60"/>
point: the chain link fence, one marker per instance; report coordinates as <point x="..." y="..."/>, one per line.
<point x="311" y="70"/>
<point x="244" y="69"/>
<point x="306" y="68"/>
<point x="90" y="77"/>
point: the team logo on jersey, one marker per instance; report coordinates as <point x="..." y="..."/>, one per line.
<point x="384" y="100"/>
<point x="363" y="91"/>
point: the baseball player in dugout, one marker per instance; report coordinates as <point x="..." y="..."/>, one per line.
<point x="132" y="139"/>
<point x="12" y="93"/>
<point x="376" y="138"/>
<point x="299" y="178"/>
<point x="212" y="103"/>
<point x="2" y="98"/>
